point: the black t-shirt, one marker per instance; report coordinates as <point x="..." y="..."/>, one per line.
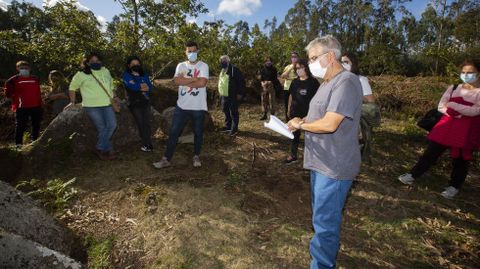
<point x="302" y="92"/>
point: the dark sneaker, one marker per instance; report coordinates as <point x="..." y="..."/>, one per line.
<point x="146" y="148"/>
<point x="225" y="130"/>
<point x="290" y="160"/>
<point x="264" y="117"/>
<point x="101" y="155"/>
<point x="110" y="156"/>
<point x="233" y="133"/>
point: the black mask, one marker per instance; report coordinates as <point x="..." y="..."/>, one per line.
<point x="95" y="66"/>
<point x="136" y="68"/>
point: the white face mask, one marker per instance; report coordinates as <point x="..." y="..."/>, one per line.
<point x="301" y="72"/>
<point x="347" y="66"/>
<point x="468" y="77"/>
<point x="317" y="70"/>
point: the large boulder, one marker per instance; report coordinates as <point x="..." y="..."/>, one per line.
<point x="20" y="215"/>
<point x="21" y="253"/>
<point x="187" y="134"/>
<point x="75" y="125"/>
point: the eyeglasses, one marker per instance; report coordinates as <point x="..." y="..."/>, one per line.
<point x="315" y="58"/>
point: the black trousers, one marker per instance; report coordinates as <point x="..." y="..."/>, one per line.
<point x="431" y="155"/>
<point x="286" y="95"/>
<point x="230" y="109"/>
<point x="294" y="144"/>
<point x="143" y="118"/>
<point x="22" y="117"/>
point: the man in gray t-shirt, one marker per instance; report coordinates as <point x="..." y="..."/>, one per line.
<point x="336" y="154"/>
<point x="332" y="152"/>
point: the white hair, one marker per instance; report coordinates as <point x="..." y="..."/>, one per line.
<point x="328" y="43"/>
<point x="225" y="57"/>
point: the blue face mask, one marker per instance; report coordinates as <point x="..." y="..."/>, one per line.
<point x="95" y="66"/>
<point x="24" y="72"/>
<point x="468" y="77"/>
<point x="192" y="56"/>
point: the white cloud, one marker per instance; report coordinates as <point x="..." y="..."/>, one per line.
<point x="103" y="23"/>
<point x="192" y="20"/>
<point x="239" y="7"/>
<point x="211" y="14"/>
<point x="51" y="3"/>
<point x="3" y="5"/>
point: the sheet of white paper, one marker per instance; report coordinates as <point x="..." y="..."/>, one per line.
<point x="278" y="126"/>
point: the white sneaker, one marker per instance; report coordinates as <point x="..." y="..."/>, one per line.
<point x="196" y="161"/>
<point x="162" y="163"/>
<point x="449" y="192"/>
<point x="406" y="179"/>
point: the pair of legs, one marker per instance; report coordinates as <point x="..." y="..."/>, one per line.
<point x="22" y="117"/>
<point x="232" y="117"/>
<point x="180" y="118"/>
<point x="268" y="98"/>
<point x="429" y="158"/>
<point x="143" y="118"/>
<point x="105" y="122"/>
<point x="328" y="199"/>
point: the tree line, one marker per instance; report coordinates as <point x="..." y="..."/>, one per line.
<point x="388" y="38"/>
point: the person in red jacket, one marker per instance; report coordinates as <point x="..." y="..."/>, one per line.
<point x="24" y="92"/>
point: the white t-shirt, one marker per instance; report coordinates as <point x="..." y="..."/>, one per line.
<point x="366" y="88"/>
<point x="192" y="98"/>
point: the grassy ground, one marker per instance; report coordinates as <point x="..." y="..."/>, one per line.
<point x="245" y="209"/>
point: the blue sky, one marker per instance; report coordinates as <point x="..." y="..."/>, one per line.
<point x="252" y="11"/>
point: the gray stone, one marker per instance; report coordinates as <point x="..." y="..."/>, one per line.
<point x="18" y="252"/>
<point x="75" y="124"/>
<point x="20" y="215"/>
<point x="187" y="134"/>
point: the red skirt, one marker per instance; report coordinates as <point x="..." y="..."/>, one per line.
<point x="461" y="134"/>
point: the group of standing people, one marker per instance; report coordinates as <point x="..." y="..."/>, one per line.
<point x="328" y="113"/>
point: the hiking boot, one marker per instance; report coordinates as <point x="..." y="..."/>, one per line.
<point x="162" y="163"/>
<point x="449" y="192"/>
<point x="290" y="160"/>
<point x="196" y="161"/>
<point x="264" y="117"/>
<point x="406" y="179"/>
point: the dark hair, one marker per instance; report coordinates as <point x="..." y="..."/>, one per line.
<point x="294" y="52"/>
<point x="84" y="65"/>
<point x="267" y="58"/>
<point x="57" y="81"/>
<point x="129" y="61"/>
<point x="191" y="44"/>
<point x="353" y="58"/>
<point x="471" y="62"/>
<point x="304" y="63"/>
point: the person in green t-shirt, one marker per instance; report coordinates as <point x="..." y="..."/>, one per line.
<point x="96" y="101"/>
<point x="289" y="75"/>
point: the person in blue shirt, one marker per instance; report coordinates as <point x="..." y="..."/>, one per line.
<point x="139" y="87"/>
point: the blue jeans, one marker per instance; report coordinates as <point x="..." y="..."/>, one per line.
<point x="105" y="122"/>
<point x="180" y="118"/>
<point x="328" y="199"/>
<point x="230" y="108"/>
